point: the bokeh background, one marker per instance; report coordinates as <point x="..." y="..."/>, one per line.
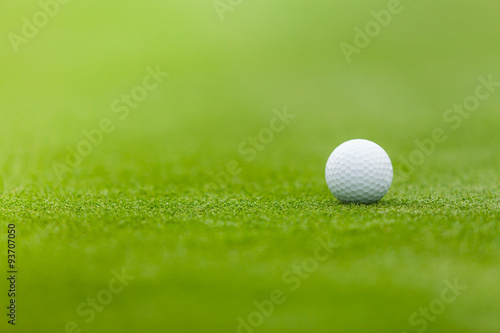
<point x="202" y="255"/>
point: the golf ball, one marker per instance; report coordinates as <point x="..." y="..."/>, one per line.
<point x="359" y="171"/>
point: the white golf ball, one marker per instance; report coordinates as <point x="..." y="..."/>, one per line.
<point x="359" y="171"/>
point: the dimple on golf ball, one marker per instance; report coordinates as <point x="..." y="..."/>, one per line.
<point x="359" y="171"/>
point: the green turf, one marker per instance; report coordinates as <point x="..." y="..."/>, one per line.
<point x="202" y="253"/>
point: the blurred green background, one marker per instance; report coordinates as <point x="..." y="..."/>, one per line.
<point x="201" y="255"/>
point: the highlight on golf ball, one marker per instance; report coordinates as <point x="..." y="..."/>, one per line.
<point x="359" y="171"/>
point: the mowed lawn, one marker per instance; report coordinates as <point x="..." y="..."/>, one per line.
<point x="164" y="168"/>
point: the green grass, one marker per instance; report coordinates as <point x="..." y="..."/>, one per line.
<point x="202" y="255"/>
